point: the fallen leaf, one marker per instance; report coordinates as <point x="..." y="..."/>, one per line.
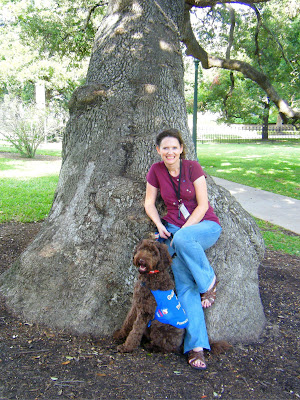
<point x="65" y="363"/>
<point x="99" y="374"/>
<point x="49" y="334"/>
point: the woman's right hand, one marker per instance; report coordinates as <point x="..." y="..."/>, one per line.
<point x="151" y="210"/>
<point x="163" y="232"/>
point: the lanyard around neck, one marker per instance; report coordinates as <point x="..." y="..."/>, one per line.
<point x="177" y="192"/>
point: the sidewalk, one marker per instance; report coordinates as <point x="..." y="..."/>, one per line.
<point x="279" y="210"/>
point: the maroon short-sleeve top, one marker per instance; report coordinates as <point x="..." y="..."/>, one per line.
<point x="159" y="177"/>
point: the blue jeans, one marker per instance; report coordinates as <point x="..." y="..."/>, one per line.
<point x="193" y="275"/>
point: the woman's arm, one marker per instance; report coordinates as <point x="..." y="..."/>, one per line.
<point x="202" y="200"/>
<point x="151" y="210"/>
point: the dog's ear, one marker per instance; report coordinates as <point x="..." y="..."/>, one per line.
<point x="165" y="257"/>
<point x="136" y="249"/>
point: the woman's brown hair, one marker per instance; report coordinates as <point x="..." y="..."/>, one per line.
<point x="174" y="133"/>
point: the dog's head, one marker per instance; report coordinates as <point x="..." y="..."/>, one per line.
<point x="151" y="256"/>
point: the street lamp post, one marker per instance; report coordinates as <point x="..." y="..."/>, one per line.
<point x="195" y="105"/>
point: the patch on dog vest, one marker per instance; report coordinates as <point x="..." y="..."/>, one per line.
<point x="169" y="310"/>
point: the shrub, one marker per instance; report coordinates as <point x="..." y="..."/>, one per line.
<point x="25" y="126"/>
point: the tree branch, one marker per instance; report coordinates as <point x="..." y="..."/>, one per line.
<point x="212" y="3"/>
<point x="228" y="50"/>
<point x="90" y="11"/>
<point x="231" y="32"/>
<point x="193" y="48"/>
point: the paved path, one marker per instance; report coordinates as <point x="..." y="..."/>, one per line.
<point x="279" y="210"/>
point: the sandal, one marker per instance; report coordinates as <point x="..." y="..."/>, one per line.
<point x="210" y="295"/>
<point x="195" y="356"/>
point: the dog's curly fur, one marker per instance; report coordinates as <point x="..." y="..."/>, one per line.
<point x="149" y="256"/>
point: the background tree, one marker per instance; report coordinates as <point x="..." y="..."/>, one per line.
<point x="28" y="59"/>
<point x="77" y="274"/>
<point x="38" y="44"/>
<point x="209" y="61"/>
<point x="267" y="37"/>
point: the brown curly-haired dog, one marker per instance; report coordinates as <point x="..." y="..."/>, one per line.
<point x="153" y="262"/>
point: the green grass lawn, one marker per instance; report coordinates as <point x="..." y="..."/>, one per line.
<point x="26" y="200"/>
<point x="271" y="166"/>
<point x="276" y="238"/>
<point x="55" y="151"/>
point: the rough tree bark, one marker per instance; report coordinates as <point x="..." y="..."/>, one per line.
<point x="77" y="273"/>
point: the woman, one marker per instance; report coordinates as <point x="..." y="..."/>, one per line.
<point x="189" y="228"/>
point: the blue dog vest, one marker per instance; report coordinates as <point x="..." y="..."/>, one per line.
<point x="168" y="309"/>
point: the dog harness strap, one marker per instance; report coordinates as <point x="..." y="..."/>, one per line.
<point x="169" y="310"/>
<point x="154" y="272"/>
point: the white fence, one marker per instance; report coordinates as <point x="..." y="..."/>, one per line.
<point x="239" y="133"/>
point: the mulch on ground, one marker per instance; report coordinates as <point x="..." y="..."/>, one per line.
<point x="39" y="363"/>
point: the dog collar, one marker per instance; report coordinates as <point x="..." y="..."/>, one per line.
<point x="154" y="272"/>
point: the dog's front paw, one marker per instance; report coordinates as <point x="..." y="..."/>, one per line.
<point x="124" y="349"/>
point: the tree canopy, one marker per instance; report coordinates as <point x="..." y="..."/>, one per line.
<point x="249" y="70"/>
<point x="45" y="41"/>
<point x="268" y="38"/>
<point x="259" y="42"/>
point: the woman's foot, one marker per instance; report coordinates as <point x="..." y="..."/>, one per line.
<point x="208" y="298"/>
<point x="196" y="358"/>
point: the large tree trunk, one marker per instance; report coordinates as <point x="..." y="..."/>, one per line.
<point x="77" y="274"/>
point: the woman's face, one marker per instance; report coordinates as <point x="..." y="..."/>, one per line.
<point x="170" y="150"/>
